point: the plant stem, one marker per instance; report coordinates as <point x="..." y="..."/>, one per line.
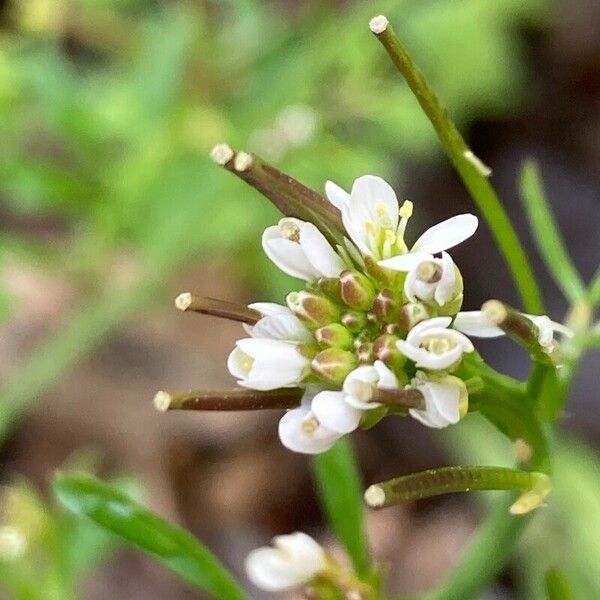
<point x="473" y="175"/>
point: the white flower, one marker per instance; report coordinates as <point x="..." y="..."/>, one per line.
<point x="431" y="345"/>
<point x="301" y="431"/>
<point x="267" y="364"/>
<point x="445" y="400"/>
<point x="293" y="560"/>
<point x="278" y="323"/>
<point x="299" y="249"/>
<point x="477" y="324"/>
<point x="432" y="279"/>
<point x="342" y="411"/>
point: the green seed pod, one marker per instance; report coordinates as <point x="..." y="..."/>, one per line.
<point x="353" y="320"/>
<point x="313" y="310"/>
<point x="334" y="335"/>
<point x="357" y="290"/>
<point x="334" y="364"/>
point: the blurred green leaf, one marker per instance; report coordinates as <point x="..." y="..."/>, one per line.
<point x="547" y="236"/>
<point x="557" y="586"/>
<point x="173" y="547"/>
<point x="341" y="492"/>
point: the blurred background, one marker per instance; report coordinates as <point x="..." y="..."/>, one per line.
<point x="110" y="206"/>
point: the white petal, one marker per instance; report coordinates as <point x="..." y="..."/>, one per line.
<point x="271" y="570"/>
<point x="457" y="337"/>
<point x="304" y="551"/>
<point x="446" y="398"/>
<point x="335" y="413"/>
<point x="319" y="252"/>
<point x="295" y="438"/>
<point x="446" y="234"/>
<point x="338" y="196"/>
<point x="444" y="290"/>
<point x="415" y="334"/>
<point x="267" y="309"/>
<point x="387" y="379"/>
<point x="288" y="256"/>
<point x="429" y="360"/>
<point x="476" y="324"/>
<point x="285" y="327"/>
<point x="238" y="362"/>
<point x="405" y="262"/>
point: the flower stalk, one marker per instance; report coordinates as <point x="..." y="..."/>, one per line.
<point x="230" y="400"/>
<point x="217" y="308"/>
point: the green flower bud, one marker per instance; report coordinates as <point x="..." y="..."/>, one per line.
<point x="385" y="308"/>
<point x="334" y="364"/>
<point x="353" y="320"/>
<point x="411" y="314"/>
<point x="334" y="335"/>
<point x="330" y="286"/>
<point x="357" y="290"/>
<point x="364" y="353"/>
<point x="385" y="350"/>
<point x="314" y="311"/>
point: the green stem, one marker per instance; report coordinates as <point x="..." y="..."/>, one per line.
<point x="471" y="171"/>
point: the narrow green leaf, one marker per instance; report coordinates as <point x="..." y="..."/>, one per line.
<point x="173" y="547"/>
<point x="340" y="490"/>
<point x="557" y="586"/>
<point x="547" y="236"/>
<point x="594" y="289"/>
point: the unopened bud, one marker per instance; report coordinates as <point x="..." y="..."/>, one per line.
<point x="334" y="335"/>
<point x="411" y="314"/>
<point x="364" y="353"/>
<point x="357" y="290"/>
<point x="385" y="350"/>
<point x="385" y="308"/>
<point x="330" y="286"/>
<point x="314" y="311"/>
<point x="354" y="321"/>
<point x="334" y="364"/>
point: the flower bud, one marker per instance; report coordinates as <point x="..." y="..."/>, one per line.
<point x="385" y="350"/>
<point x="334" y="364"/>
<point x="334" y="335"/>
<point x="385" y="308"/>
<point x="354" y="321"/>
<point x="364" y="353"/>
<point x="313" y="310"/>
<point x="330" y="286"/>
<point x="357" y="290"/>
<point x="411" y="314"/>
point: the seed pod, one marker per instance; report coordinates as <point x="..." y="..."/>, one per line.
<point x="334" y="335"/>
<point x="334" y="364"/>
<point x="357" y="290"/>
<point x="313" y="310"/>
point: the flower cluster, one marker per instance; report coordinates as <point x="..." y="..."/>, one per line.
<point x="377" y="328"/>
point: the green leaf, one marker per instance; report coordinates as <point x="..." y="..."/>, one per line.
<point x="594" y="289"/>
<point x="557" y="586"/>
<point x="173" y="547"/>
<point x="547" y="236"/>
<point x="340" y="491"/>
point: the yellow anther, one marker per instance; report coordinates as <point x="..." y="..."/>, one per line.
<point x="406" y="210"/>
<point x="289" y="230"/>
<point x="310" y="424"/>
<point x="438" y="345"/>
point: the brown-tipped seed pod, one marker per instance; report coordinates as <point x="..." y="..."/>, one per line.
<point x="313" y="310"/>
<point x="385" y="350"/>
<point x="334" y="364"/>
<point x="411" y="314"/>
<point x="385" y="308"/>
<point x="334" y="335"/>
<point x="353" y="320"/>
<point x="357" y="290"/>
